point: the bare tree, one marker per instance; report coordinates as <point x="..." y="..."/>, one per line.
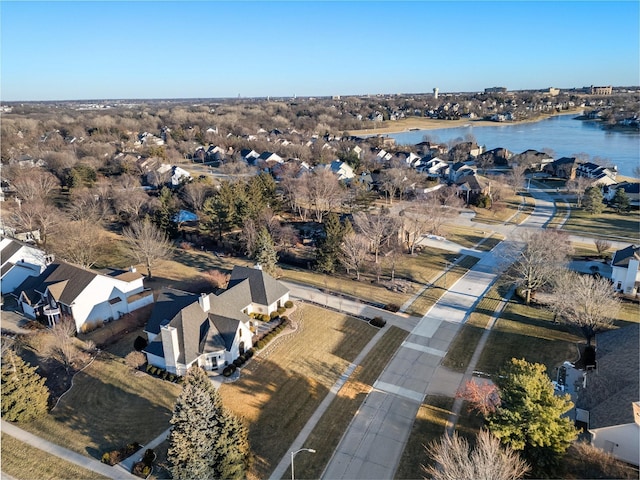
<point x="146" y="243"/>
<point x="585" y="302"/>
<point x="354" y="252"/>
<point x="394" y="181"/>
<point x="196" y="193"/>
<point x="578" y="186"/>
<point x="35" y="186"/>
<point x="64" y="347"/>
<point x="414" y="226"/>
<point x="541" y="258"/>
<point x="376" y="228"/>
<point x="489" y="460"/>
<point x="325" y="192"/>
<point x="516" y="177"/>
<point x="130" y="204"/>
<point x="602" y="246"/>
<point x="87" y="205"/>
<point x="482" y="395"/>
<point x="79" y="241"/>
<point x="449" y="196"/>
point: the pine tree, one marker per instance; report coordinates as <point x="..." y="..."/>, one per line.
<point x="265" y="251"/>
<point x="24" y="394"/>
<point x="620" y="201"/>
<point x="593" y="200"/>
<point x="328" y="252"/>
<point x="207" y="441"/>
<point x="530" y="418"/>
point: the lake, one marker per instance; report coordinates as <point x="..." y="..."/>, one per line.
<point x="562" y="134"/>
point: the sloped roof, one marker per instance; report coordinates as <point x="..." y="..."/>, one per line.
<point x="621" y="257"/>
<point x="65" y="282"/>
<point x="264" y="289"/>
<point x="615" y="384"/>
<point x="9" y="250"/>
<point x="168" y="304"/>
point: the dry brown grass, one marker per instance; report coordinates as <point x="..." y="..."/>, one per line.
<point x="329" y="430"/>
<point x="278" y="393"/>
<point x="24" y="462"/>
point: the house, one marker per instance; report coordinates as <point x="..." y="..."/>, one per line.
<point x="472" y="185"/>
<point x="210" y="330"/>
<point x="270" y="157"/>
<point x="85" y="295"/>
<point x="625" y="270"/>
<point x="461" y="169"/>
<point x="631" y="189"/>
<point x="342" y="169"/>
<point x="435" y="168"/>
<point x="409" y="158"/>
<point x="19" y="262"/>
<point x="610" y="400"/>
<point x="249" y="155"/>
<point x="564" y="167"/>
<point x="532" y="159"/>
<point x="601" y="175"/>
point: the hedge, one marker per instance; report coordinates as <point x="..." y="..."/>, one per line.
<point x="378" y="322"/>
<point x="288" y="304"/>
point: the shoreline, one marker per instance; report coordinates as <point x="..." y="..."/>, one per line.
<point x="420" y="123"/>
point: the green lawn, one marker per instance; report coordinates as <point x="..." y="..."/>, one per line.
<point x="24" y="462"/>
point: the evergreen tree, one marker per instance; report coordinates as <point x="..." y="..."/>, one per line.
<point x="620" y="200"/>
<point x="206" y="441"/>
<point x="593" y="200"/>
<point x="530" y="417"/>
<point x="24" y="394"/>
<point x="265" y="251"/>
<point x="192" y="434"/>
<point x="163" y="216"/>
<point x="328" y="253"/>
<point x="217" y="214"/>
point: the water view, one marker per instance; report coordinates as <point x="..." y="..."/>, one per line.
<point x="562" y="134"/>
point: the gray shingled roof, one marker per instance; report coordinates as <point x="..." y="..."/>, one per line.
<point x="265" y="289"/>
<point x="76" y="278"/>
<point x="168" y="305"/>
<point x="621" y="257"/>
<point x="9" y="250"/>
<point x="615" y="384"/>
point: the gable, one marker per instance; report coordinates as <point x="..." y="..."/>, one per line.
<point x="264" y="289"/>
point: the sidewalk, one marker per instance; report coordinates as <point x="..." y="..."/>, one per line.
<point x="116" y="472"/>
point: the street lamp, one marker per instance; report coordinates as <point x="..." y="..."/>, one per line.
<point x="445" y="274"/>
<point x="293" y="454"/>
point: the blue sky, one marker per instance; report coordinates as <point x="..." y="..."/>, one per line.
<point x="149" y="49"/>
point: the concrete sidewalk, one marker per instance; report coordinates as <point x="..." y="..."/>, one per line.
<point x="115" y="472"/>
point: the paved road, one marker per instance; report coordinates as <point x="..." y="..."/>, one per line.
<point x="372" y="446"/>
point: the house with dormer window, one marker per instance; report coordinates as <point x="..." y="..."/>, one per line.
<point x="211" y="330"/>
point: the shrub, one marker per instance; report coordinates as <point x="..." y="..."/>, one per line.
<point x="281" y="310"/>
<point x="141" y="470"/>
<point x="378" y="322"/>
<point x="87" y="327"/>
<point x="260" y="344"/>
<point x="149" y="456"/>
<point x="288" y="304"/>
<point x="237" y="362"/>
<point x="99" y="323"/>
<point x="249" y="353"/>
<point x="392" y="307"/>
<point x="139" y="343"/>
<point x="284" y="320"/>
<point x="135" y="359"/>
<point x="265" y="318"/>
<point x="228" y="370"/>
<point x="273" y="315"/>
<point x="106" y="458"/>
<point x="149" y="367"/>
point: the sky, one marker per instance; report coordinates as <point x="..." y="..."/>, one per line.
<point x="214" y="49"/>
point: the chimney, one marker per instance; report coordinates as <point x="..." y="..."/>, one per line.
<point x="132" y="269"/>
<point x="205" y="302"/>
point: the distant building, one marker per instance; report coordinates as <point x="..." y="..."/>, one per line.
<point x="496" y="90"/>
<point x="601" y="90"/>
<point x="553" y="91"/>
<point x="435" y="92"/>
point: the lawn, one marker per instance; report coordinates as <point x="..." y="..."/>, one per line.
<point x="510" y="208"/>
<point x="329" y="430"/>
<point x="464" y="344"/>
<point x="108" y="407"/>
<point x="607" y="224"/>
<point x="277" y="393"/>
<point x="562" y="209"/>
<point x="19" y="461"/>
<point x="528" y="332"/>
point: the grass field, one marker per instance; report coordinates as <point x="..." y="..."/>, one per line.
<point x="108" y="407"/>
<point x="606" y="224"/>
<point x="510" y="208"/>
<point x="329" y="430"/>
<point x="24" y="462"/>
<point x="276" y="395"/>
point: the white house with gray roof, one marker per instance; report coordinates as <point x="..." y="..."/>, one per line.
<point x="210" y="330"/>
<point x="625" y="270"/>
<point x="19" y="262"/>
